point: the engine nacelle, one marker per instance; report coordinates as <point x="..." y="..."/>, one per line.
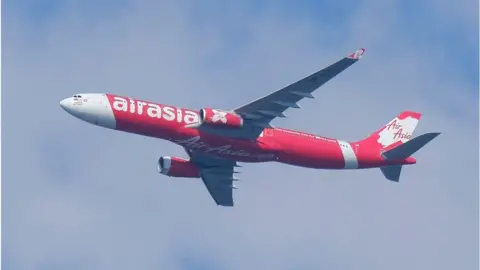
<point x="213" y="117"/>
<point x="177" y="167"/>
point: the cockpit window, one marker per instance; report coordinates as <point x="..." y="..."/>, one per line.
<point x="77" y="96"/>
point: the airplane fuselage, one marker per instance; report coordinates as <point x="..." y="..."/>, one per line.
<point x="216" y="140"/>
<point x="169" y="123"/>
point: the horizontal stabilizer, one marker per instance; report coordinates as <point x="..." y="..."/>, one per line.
<point x="408" y="148"/>
<point x="404" y="151"/>
<point x="392" y="173"/>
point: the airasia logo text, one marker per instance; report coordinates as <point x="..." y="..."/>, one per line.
<point x="399" y="133"/>
<point x="393" y="125"/>
<point x="397" y="130"/>
<point x="195" y="143"/>
<point x="154" y="110"/>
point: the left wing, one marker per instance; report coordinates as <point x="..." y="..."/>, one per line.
<point x="217" y="174"/>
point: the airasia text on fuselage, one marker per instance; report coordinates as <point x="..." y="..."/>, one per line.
<point x="167" y="113"/>
<point x="184" y="116"/>
<point x="195" y="143"/>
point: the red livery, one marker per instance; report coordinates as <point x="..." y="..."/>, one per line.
<point x="178" y="167"/>
<point x="216" y="139"/>
<point x="220" y="118"/>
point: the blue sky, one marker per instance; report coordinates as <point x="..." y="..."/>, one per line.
<point x="91" y="198"/>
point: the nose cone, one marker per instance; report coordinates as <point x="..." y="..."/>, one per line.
<point x="93" y="108"/>
<point x="66" y="104"/>
<point x="72" y="106"/>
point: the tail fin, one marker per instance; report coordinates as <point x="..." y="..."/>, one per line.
<point x="394" y="142"/>
<point x="394" y="133"/>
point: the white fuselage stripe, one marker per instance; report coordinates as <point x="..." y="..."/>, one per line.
<point x="349" y="156"/>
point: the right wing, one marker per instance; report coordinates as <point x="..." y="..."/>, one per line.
<point x="262" y="111"/>
<point x="258" y="114"/>
<point x="217" y="174"/>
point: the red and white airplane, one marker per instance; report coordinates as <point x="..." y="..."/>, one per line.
<point x="215" y="140"/>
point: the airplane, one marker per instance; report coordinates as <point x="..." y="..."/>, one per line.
<point x="216" y="140"/>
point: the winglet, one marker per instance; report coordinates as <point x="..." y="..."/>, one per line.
<point x="357" y="54"/>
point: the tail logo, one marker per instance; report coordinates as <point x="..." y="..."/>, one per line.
<point x="397" y="130"/>
<point x="402" y="135"/>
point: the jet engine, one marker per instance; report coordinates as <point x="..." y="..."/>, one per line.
<point x="220" y="118"/>
<point x="177" y="167"/>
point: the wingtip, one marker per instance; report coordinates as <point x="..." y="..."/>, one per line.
<point x="434" y="134"/>
<point x="357" y="54"/>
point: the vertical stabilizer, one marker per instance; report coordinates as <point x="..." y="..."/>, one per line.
<point x="396" y="132"/>
<point x="395" y="142"/>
